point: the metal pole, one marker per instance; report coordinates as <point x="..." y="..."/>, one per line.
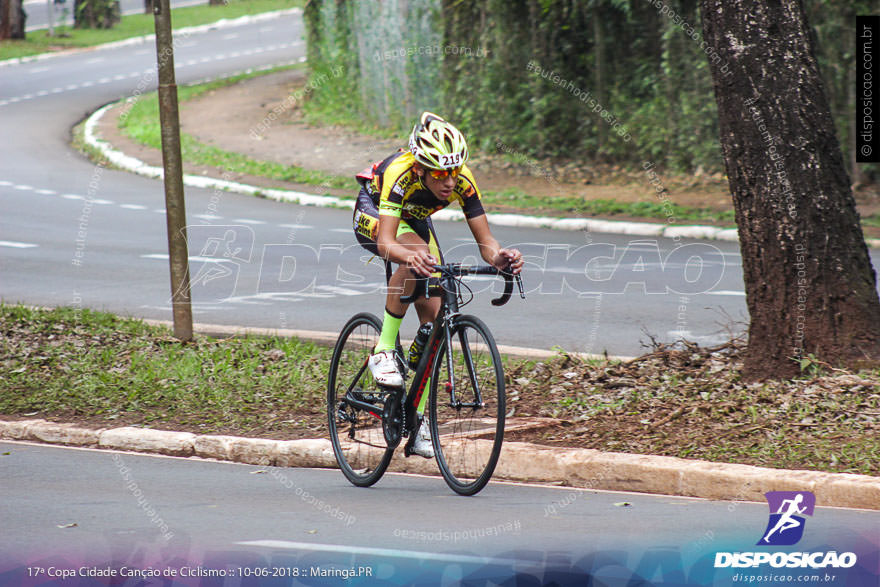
<point x="50" y="10"/>
<point x="174" y="198"/>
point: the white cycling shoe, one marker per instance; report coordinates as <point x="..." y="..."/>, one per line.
<point x="383" y="366"/>
<point x="422" y="446"/>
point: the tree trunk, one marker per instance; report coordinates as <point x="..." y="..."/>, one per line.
<point x="148" y="6"/>
<point x="12" y="19"/>
<point x="810" y="287"/>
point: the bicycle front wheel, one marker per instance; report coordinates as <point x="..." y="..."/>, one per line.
<point x="467" y="408"/>
<point x="355" y="403"/>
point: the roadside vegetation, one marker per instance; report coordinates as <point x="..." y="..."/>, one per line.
<point x="135" y="25"/>
<point x="97" y="369"/>
<point x="142" y="125"/>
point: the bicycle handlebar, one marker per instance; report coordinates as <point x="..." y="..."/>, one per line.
<point x="459" y="270"/>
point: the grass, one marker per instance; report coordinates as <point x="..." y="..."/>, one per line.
<point x="691" y="402"/>
<point x="135" y="25"/>
<point x="101" y="370"/>
<point x="516" y="198"/>
<point x="84" y="365"/>
<point x="141" y="124"/>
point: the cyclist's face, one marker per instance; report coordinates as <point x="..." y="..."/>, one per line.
<point x="442" y="188"/>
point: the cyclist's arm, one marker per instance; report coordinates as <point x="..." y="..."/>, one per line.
<point x="490" y="250"/>
<point x="393" y="250"/>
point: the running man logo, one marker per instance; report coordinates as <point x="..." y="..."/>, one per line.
<point x="786" y="524"/>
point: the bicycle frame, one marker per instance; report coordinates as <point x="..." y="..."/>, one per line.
<point x="442" y="326"/>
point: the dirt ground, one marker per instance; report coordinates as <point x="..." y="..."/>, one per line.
<point x="243" y="110"/>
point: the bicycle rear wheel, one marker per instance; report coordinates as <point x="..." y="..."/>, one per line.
<point x="356" y="431"/>
<point x="467" y="416"/>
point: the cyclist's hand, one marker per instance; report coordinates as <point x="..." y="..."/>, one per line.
<point x="421" y="263"/>
<point x="510" y="259"/>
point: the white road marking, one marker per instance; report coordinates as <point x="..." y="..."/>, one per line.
<point x="388" y="552"/>
<point x="345" y="230"/>
<point x="248" y="221"/>
<point x="133" y="207"/>
<point x="103" y="202"/>
<point x="230" y="36"/>
<point x="159" y="210"/>
<point x="3" y="182"/>
<point x="726" y="292"/>
<point x="17" y="245"/>
<point x="298" y="226"/>
<point x="164" y="257"/>
<point x="47" y="192"/>
<point x="208" y="217"/>
<point x="72" y="197"/>
<point x="24" y="188"/>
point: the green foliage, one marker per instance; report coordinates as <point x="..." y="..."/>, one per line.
<point x="141" y="123"/>
<point x="96" y="14"/>
<point x="597" y="67"/>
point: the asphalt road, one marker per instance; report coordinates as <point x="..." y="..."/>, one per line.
<point x="67" y="508"/>
<point x="76" y="234"/>
<point x="38" y="11"/>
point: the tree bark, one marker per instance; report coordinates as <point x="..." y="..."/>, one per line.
<point x="12" y="19"/>
<point x="810" y="286"/>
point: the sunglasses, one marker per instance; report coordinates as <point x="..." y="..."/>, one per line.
<point x="444" y="173"/>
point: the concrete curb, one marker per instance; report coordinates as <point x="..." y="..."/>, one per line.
<point x="185" y="31"/>
<point x="572" y="467"/>
<point x="137" y="166"/>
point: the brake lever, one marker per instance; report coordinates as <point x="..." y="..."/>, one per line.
<point x="519" y="284"/>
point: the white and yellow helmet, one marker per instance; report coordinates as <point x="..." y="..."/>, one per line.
<point x="436" y="144"/>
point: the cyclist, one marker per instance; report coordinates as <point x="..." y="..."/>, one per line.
<point x="392" y="220"/>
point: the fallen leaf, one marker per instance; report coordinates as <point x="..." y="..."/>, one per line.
<point x="258" y="472"/>
<point x="312" y="531"/>
<point x="623" y="504"/>
<point x="71" y="525"/>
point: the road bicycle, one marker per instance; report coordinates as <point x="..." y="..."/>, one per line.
<point x="461" y="370"/>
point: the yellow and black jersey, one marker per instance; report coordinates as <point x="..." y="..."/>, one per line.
<point x="398" y="191"/>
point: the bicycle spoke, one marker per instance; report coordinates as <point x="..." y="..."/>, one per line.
<point x="354" y="403"/>
<point x="467" y="407"/>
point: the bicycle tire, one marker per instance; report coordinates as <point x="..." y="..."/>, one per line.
<point x="467" y="440"/>
<point x="356" y="435"/>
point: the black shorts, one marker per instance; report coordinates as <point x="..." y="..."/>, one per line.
<point x="366" y="227"/>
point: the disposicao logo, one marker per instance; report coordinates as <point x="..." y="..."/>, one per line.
<point x="785" y="528"/>
<point x="786" y="525"/>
